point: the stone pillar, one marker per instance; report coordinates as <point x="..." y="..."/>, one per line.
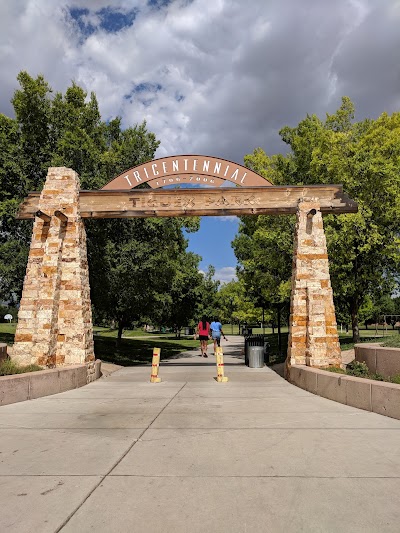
<point x="55" y="318"/>
<point x="313" y="336"/>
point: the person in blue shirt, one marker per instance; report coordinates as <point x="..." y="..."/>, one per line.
<point x="216" y="332"/>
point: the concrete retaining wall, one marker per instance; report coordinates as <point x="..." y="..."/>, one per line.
<point x="376" y="396"/>
<point x="379" y="359"/>
<point x="21" y="387"/>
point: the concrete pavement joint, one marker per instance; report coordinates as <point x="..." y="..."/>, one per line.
<point x="114" y="466"/>
<point x="214" y="429"/>
<point x="187" y="476"/>
<point x="277" y="476"/>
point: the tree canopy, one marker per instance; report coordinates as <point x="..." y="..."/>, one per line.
<point x="363" y="247"/>
<point x="133" y="264"/>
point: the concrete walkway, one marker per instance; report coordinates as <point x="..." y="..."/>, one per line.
<point x="192" y="455"/>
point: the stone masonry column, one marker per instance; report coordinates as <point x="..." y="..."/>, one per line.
<point x="55" y="319"/>
<point x="313" y="336"/>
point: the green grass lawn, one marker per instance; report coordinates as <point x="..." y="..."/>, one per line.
<point x="393" y="341"/>
<point x="132" y="350"/>
<point x="135" y="350"/>
<point x="7" y="332"/>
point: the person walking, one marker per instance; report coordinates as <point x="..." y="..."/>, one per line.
<point x="203" y="331"/>
<point x="216" y="332"/>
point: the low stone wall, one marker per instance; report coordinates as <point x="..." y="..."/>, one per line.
<point x="379" y="359"/>
<point x="21" y="387"/>
<point x="376" y="396"/>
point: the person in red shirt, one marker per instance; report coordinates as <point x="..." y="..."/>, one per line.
<point x="203" y="331"/>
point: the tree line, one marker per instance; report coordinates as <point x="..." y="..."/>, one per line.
<point x="363" y="248"/>
<point x="140" y="269"/>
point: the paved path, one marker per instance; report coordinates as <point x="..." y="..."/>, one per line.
<point x="190" y="455"/>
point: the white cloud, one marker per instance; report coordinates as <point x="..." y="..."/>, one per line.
<point x="228" y="218"/>
<point x="225" y="274"/>
<point x="229" y="77"/>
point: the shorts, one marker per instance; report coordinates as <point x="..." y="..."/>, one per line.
<point x="203" y="337"/>
<point x="216" y="335"/>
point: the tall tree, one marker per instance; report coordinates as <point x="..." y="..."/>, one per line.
<point x="364" y="156"/>
<point x="178" y="306"/>
<point x="131" y="261"/>
<point x="236" y="305"/>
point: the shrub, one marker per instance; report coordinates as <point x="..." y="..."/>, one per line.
<point x="8" y="368"/>
<point x="357" y="369"/>
<point x="378" y="377"/>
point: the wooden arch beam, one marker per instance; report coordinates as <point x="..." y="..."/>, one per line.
<point x="273" y="200"/>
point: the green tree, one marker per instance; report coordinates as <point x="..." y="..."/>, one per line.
<point x="131" y="262"/>
<point x="235" y="305"/>
<point x="133" y="267"/>
<point x="179" y="304"/>
<point x="365" y="157"/>
<point x="207" y="304"/>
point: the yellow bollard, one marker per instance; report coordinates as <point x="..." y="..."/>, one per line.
<point x="220" y="365"/>
<point x="155" y="365"/>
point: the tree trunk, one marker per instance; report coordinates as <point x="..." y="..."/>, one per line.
<point x="354" y="321"/>
<point x="119" y="337"/>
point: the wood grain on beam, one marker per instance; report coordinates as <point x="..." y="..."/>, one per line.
<point x="272" y="200"/>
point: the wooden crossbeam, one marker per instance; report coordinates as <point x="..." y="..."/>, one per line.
<point x="272" y="200"/>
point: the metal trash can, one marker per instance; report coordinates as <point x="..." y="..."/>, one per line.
<point x="256" y="351"/>
<point x="256" y="356"/>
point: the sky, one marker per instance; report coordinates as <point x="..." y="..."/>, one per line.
<point x="210" y="77"/>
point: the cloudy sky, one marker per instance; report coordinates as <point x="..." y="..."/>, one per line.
<point x="213" y="77"/>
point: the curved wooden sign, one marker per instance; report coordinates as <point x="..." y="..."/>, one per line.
<point x="183" y="169"/>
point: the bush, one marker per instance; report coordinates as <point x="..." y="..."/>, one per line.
<point x="360" y="370"/>
<point x="378" y="377"/>
<point x="8" y="368"/>
<point x="357" y="369"/>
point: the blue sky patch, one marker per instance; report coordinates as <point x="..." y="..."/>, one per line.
<point x="79" y="16"/>
<point x="114" y="21"/>
<point x="147" y="86"/>
<point x="107" y="19"/>
<point x="141" y="92"/>
<point x="159" y="4"/>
